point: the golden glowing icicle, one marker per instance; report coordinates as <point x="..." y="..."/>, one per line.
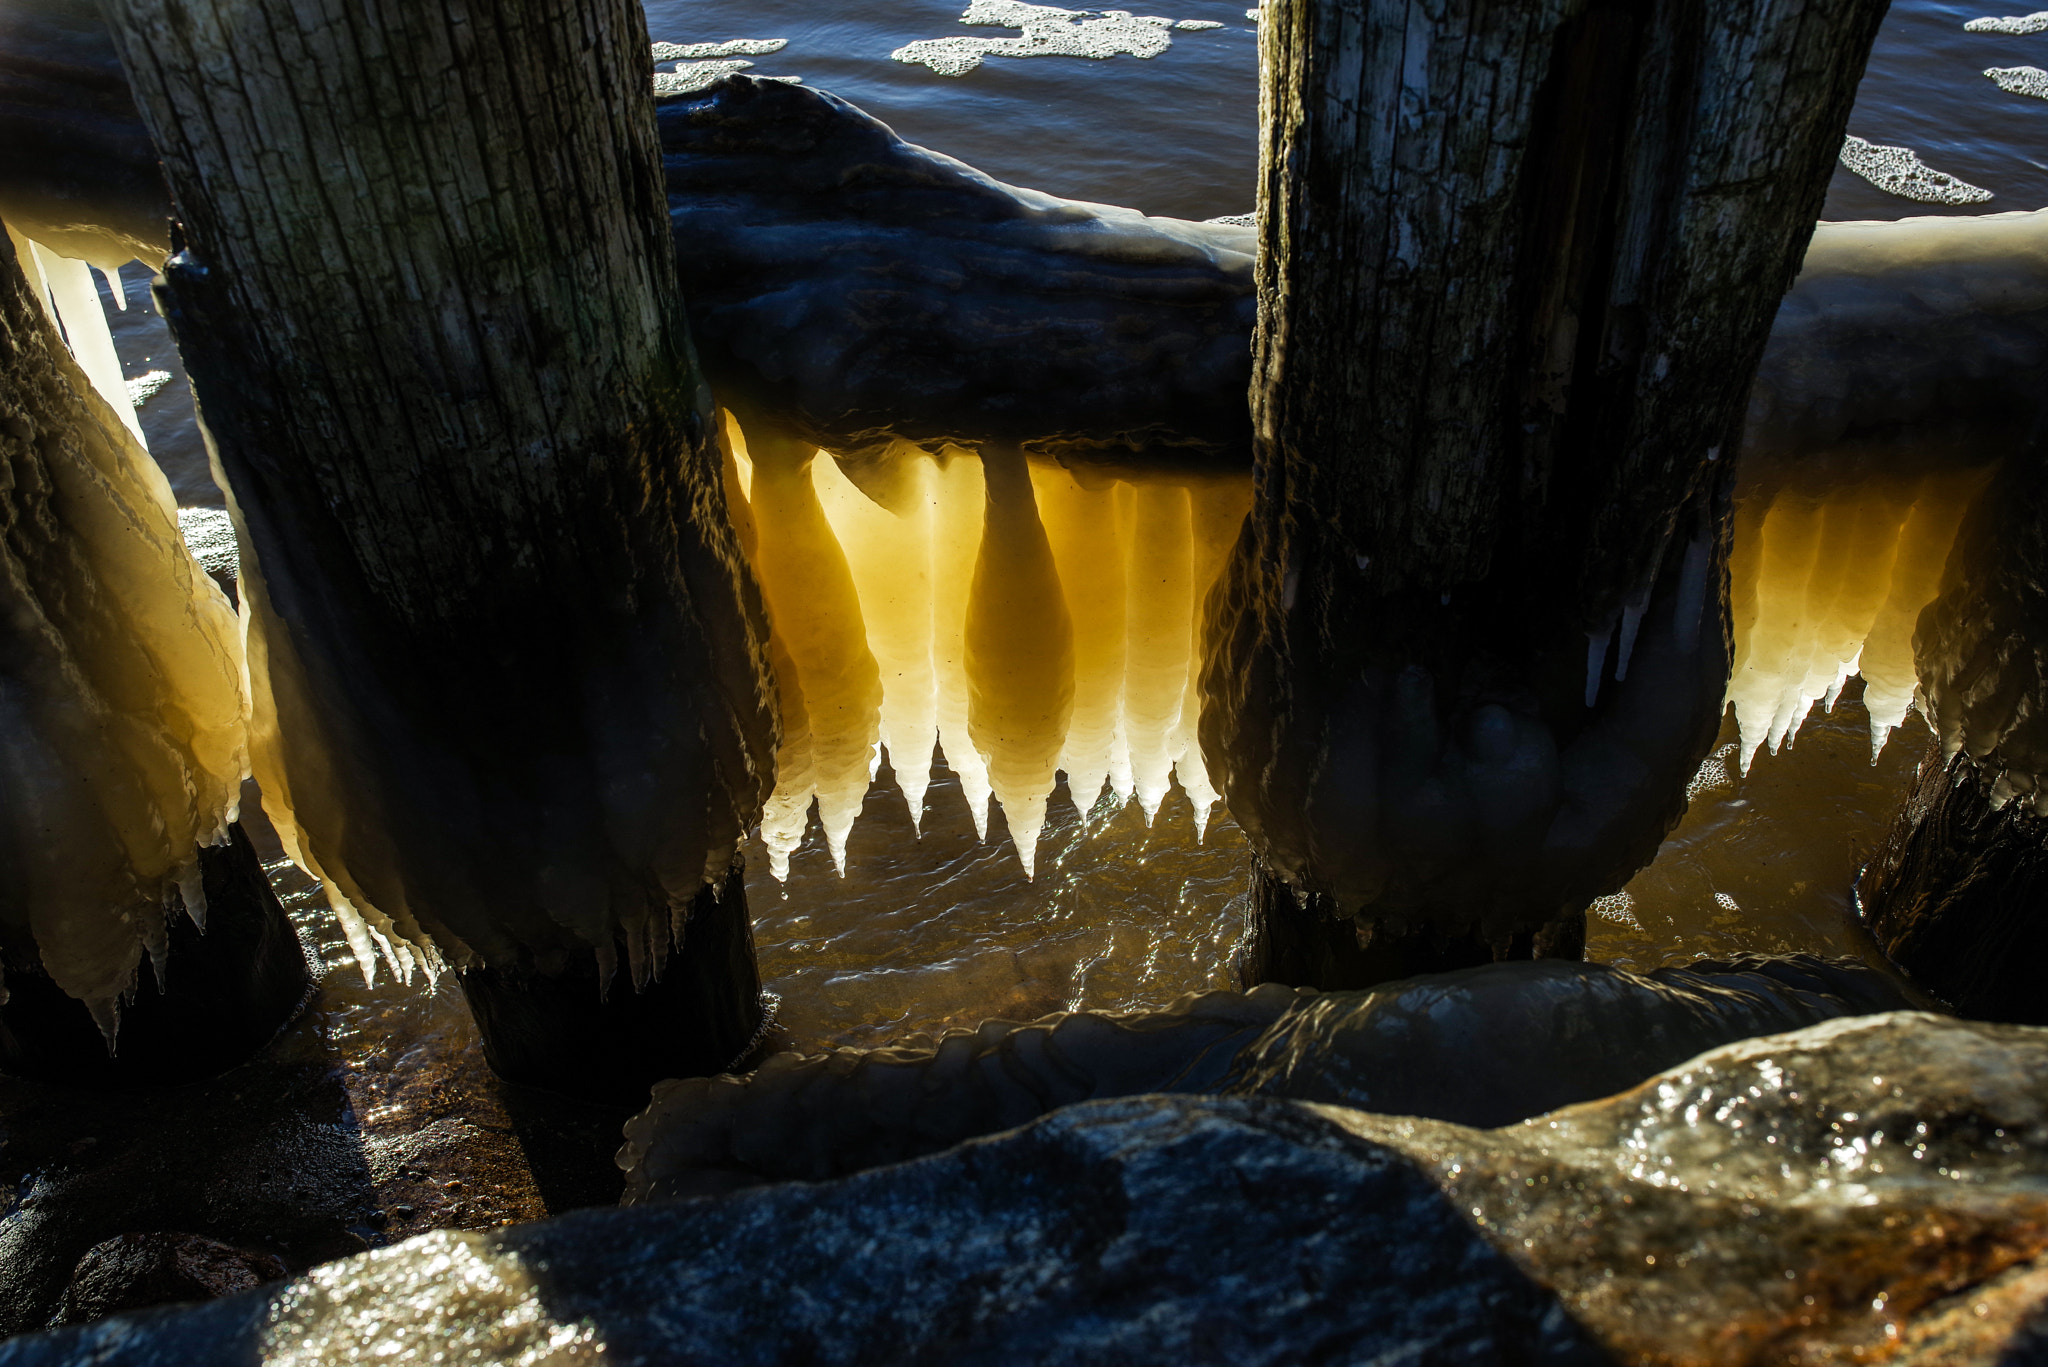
<point x="1159" y="629"/>
<point x="66" y="291"/>
<point x="959" y="494"/>
<point x="1217" y="509"/>
<point x="123" y="720"/>
<point x="889" y="554"/>
<point x="1019" y="653"/>
<point x="788" y="808"/>
<point x="1821" y="588"/>
<point x="1939" y="502"/>
<point x="815" y="613"/>
<point x="1082" y="525"/>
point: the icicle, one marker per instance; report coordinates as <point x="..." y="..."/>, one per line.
<point x="1088" y="548"/>
<point x="959" y="494"/>
<point x="1019" y="652"/>
<point x="76" y="301"/>
<point x="1596" y="662"/>
<point x="1159" y="631"/>
<point x="889" y="554"/>
<point x="1824" y="590"/>
<point x="112" y="276"/>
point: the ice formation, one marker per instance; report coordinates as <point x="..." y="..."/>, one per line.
<point x="123" y="739"/>
<point x="1870" y="436"/>
<point x="1825" y="587"/>
<point x="864" y="289"/>
<point x="701" y="65"/>
<point x="1025" y="618"/>
<point x="1048" y="31"/>
<point x="2020" y="80"/>
<point x="1899" y="171"/>
<point x="1484" y="1046"/>
<point x="65" y="289"/>
<point x="2036" y="22"/>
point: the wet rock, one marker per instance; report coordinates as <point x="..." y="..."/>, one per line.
<point x="134" y="1271"/>
<point x="1153" y="1230"/>
<point x="1867" y="1189"/>
<point x="1486" y="1046"/>
<point x="1862" y="1189"/>
<point x="1829" y="1195"/>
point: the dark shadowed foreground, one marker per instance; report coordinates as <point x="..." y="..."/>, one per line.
<point x="1864" y="1185"/>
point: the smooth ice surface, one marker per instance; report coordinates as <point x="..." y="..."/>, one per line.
<point x="1899" y="171"/>
<point x="123" y="739"/>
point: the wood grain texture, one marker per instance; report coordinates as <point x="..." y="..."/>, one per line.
<point x="510" y="689"/>
<point x="1518" y="263"/>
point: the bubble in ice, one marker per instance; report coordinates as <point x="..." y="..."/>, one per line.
<point x="1899" y="171"/>
<point x="1235" y="220"/>
<point x="2020" y="80"/>
<point x="2012" y="23"/>
<point x="702" y="65"/>
<point x="1048" y="31"/>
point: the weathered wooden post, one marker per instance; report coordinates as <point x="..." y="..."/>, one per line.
<point x="510" y="696"/>
<point x="1958" y="892"/>
<point x="1518" y="262"/>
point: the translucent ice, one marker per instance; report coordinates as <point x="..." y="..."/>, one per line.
<point x="123" y="739"/>
<point x="1025" y="619"/>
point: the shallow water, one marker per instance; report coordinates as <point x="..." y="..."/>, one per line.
<point x="926" y="933"/>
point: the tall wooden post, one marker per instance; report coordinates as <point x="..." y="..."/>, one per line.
<point x="511" y="698"/>
<point x="1518" y="262"/>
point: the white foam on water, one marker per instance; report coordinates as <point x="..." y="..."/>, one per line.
<point x="699" y="66"/>
<point x="147" y="386"/>
<point x="1048" y="31"/>
<point x="1899" y="171"/>
<point x="2015" y="24"/>
<point x="2020" y="80"/>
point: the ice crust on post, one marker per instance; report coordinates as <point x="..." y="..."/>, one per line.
<point x="510" y="699"/>
<point x="1867" y="446"/>
<point x="123" y="740"/>
<point x="1035" y="621"/>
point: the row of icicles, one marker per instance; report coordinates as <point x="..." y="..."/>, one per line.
<point x="1028" y="621"/>
<point x="1022" y="620"/>
<point x="1031" y="621"/>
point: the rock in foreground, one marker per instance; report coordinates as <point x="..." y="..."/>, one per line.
<point x="1863" y="1190"/>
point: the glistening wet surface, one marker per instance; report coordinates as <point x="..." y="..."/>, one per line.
<point x="928" y="932"/>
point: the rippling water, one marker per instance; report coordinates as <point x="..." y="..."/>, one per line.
<point x="924" y="933"/>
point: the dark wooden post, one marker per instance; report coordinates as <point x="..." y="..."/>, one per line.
<point x="1958" y="892"/>
<point x="511" y="698"/>
<point x="1518" y="262"/>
